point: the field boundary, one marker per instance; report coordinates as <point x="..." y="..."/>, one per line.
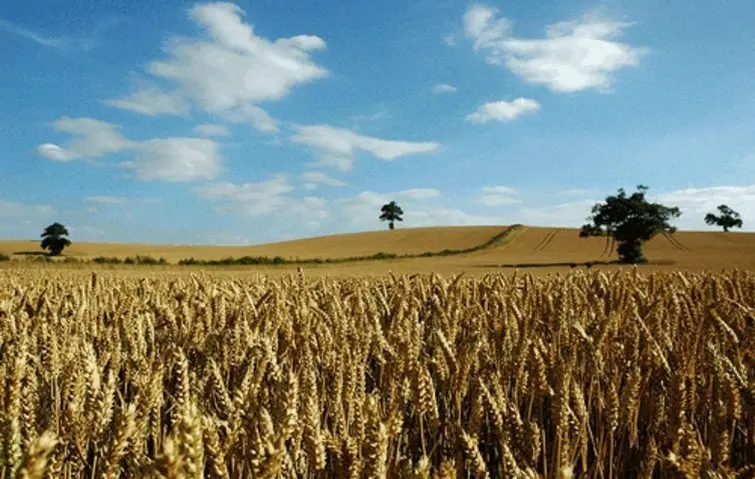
<point x="499" y="239"/>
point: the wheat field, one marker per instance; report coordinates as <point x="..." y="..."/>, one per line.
<point x="596" y="375"/>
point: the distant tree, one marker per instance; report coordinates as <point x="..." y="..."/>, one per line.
<point x="728" y="219"/>
<point x="391" y="212"/>
<point x="630" y="220"/>
<point x="55" y="239"/>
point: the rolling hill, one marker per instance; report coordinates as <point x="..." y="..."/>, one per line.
<point x="536" y="248"/>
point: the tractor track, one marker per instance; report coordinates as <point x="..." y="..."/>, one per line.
<point x="547" y="240"/>
<point x="609" y="247"/>
<point x="674" y="242"/>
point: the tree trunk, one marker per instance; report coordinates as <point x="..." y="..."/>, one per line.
<point x="726" y="229"/>
<point x="390" y="225"/>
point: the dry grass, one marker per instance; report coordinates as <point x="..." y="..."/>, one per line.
<point x="591" y="375"/>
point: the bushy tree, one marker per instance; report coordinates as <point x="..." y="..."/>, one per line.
<point x="630" y="220"/>
<point x="55" y="239"/>
<point x="728" y="218"/>
<point x="391" y="212"/>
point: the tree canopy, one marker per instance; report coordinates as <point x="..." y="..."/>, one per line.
<point x="630" y="220"/>
<point x="391" y="212"/>
<point x="54" y="239"/>
<point x="728" y="218"/>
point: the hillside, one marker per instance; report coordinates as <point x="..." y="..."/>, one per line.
<point x="533" y="248"/>
<point x="399" y="241"/>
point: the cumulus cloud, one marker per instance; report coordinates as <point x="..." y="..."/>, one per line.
<point x="503" y="110"/>
<point x="498" y="196"/>
<point x="362" y="210"/>
<point x="152" y="101"/>
<point x="91" y="139"/>
<point x="695" y="203"/>
<point x="572" y="56"/>
<point x="166" y="159"/>
<point x="177" y="159"/>
<point x="251" y="199"/>
<point x="211" y="130"/>
<point x="231" y="69"/>
<point x="448" y="217"/>
<point x="255" y="115"/>
<point x="314" y="178"/>
<point x="336" y="146"/>
<point x="444" y="88"/>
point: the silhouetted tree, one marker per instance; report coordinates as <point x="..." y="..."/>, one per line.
<point x="728" y="219"/>
<point x="630" y="220"/>
<point x="55" y="239"/>
<point x="391" y="212"/>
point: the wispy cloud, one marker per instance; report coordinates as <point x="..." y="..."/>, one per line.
<point x="444" y="88"/>
<point x="84" y="43"/>
<point x="336" y="146"/>
<point x="48" y="41"/>
<point x="107" y="200"/>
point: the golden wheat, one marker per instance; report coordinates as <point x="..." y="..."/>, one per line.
<point x="187" y="376"/>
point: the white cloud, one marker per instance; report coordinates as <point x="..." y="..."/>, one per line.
<point x="574" y="55"/>
<point x="92" y="139"/>
<point x="232" y="69"/>
<point x="503" y="110"/>
<point x="362" y="210"/>
<point x="450" y="40"/>
<point x="444" y="88"/>
<point x="167" y="159"/>
<point x="251" y="199"/>
<point x="498" y="200"/>
<point x="211" y="130"/>
<point x="152" y="101"/>
<point x="11" y="210"/>
<point x="379" y="115"/>
<point x="498" y="196"/>
<point x="106" y="200"/>
<point x="54" y="42"/>
<point x="481" y="26"/>
<point x="569" y="215"/>
<point x="695" y="203"/>
<point x="578" y="192"/>
<point x="499" y="190"/>
<point x="265" y="198"/>
<point x="255" y="115"/>
<point x="448" y="217"/>
<point x="177" y="159"/>
<point x="315" y="178"/>
<point x="336" y="145"/>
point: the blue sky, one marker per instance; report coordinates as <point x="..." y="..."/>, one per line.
<point x="235" y="123"/>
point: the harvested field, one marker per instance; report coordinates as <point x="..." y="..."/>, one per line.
<point x="590" y="375"/>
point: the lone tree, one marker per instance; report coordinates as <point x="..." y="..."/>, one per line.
<point x="728" y="219"/>
<point x="55" y="238"/>
<point x="391" y="212"/>
<point x="630" y="220"/>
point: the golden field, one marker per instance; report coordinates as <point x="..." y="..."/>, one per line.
<point x="183" y="375"/>
<point x="540" y="250"/>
